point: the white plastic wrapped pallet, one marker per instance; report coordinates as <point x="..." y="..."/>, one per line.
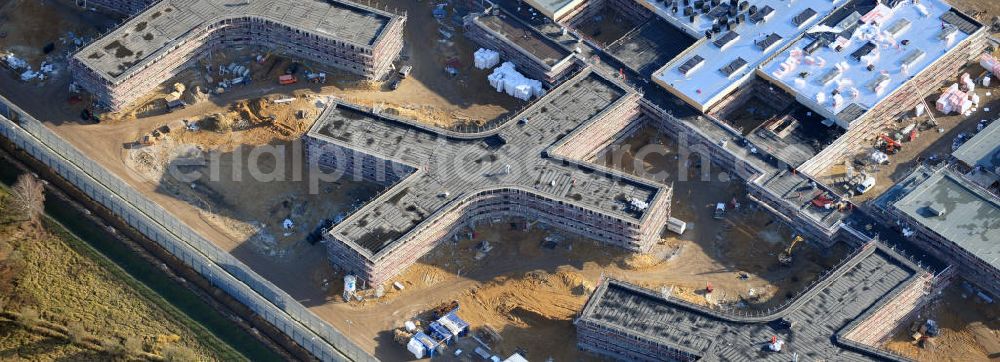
<point x="507" y="79"/>
<point x="486" y="58"/>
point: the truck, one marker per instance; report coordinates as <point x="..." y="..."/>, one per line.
<point x="287" y="79"/>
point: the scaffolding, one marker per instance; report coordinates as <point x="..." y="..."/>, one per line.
<point x="118" y="69"/>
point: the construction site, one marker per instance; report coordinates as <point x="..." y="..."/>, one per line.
<point x="581" y="180"/>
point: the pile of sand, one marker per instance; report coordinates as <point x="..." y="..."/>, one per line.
<point x="640" y="261"/>
<point x="576" y="282"/>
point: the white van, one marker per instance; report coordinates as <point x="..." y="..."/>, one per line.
<point x="866" y="185"/>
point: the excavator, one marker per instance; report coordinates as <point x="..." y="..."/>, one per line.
<point x="785" y="258"/>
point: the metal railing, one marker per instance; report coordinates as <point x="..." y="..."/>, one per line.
<point x="217" y="266"/>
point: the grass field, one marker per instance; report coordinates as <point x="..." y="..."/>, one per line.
<point x="69" y="283"/>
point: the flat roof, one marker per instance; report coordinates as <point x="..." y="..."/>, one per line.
<point x="524" y="37"/>
<point x="554" y="9"/>
<point x="462" y="167"/>
<point x="970" y="215"/>
<point x="983" y="149"/>
<point x="170" y="22"/>
<point x="649" y="46"/>
<point x="835" y="55"/>
<point x="798" y="191"/>
<point x="756" y="41"/>
<point x="713" y="334"/>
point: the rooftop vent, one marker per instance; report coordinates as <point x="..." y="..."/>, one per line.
<point x="691" y="64"/>
<point x="804" y="17"/>
<point x="762" y="14"/>
<point x="935" y="210"/>
<point x="769" y="41"/>
<point x="726" y="39"/>
<point x="733" y="67"/>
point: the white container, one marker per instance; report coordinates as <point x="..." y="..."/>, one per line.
<point x="676" y="225"/>
<point x="350" y="284"/>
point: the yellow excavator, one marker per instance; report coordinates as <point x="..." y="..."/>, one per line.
<point x="785" y="257"/>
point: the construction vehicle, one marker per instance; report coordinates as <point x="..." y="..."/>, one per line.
<point x="720" y="211"/>
<point x="785" y="258"/>
<point x="890" y="145"/>
<point x="287" y="79"/>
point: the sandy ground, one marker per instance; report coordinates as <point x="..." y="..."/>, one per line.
<point x="970" y="329"/>
<point x="529" y="292"/>
<point x="428" y="94"/>
<point x="48" y="21"/>
<point x="520" y="289"/>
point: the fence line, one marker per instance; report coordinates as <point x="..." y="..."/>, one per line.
<point x="217" y="266"/>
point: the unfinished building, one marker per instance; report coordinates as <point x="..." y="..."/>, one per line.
<point x="534" y="54"/>
<point x="171" y="35"/>
<point x="873" y="62"/>
<point x="438" y="181"/>
<point x="734" y="41"/>
<point x="841" y="318"/>
<point x="979" y="157"/>
<point x="948" y="215"/>
<point x="574" y="12"/>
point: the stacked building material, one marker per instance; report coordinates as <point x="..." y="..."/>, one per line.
<point x="990" y="63"/>
<point x="508" y="80"/>
<point x="953" y="100"/>
<point x="486" y="59"/>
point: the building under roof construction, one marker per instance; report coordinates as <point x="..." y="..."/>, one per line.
<point x="736" y="37"/>
<point x="172" y="34"/>
<point x="439" y="181"/>
<point x="951" y="217"/>
<point x="855" y="59"/>
<point x="535" y="55"/>
<point x="982" y="150"/>
<point x="836" y="319"/>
